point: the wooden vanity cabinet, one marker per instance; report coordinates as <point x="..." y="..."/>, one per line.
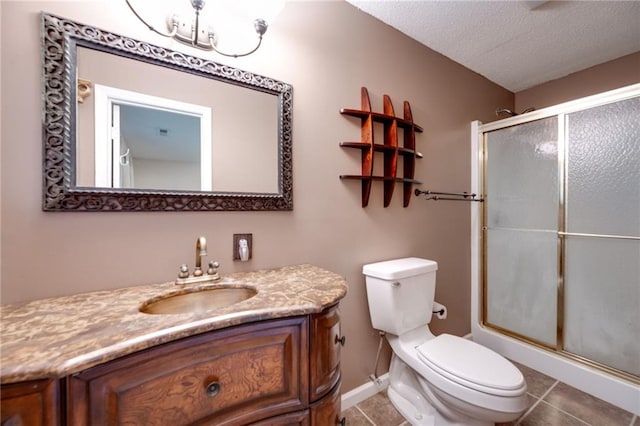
<point x="32" y="403"/>
<point x="274" y="372"/>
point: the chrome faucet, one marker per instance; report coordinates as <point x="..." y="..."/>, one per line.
<point x="198" y="275"/>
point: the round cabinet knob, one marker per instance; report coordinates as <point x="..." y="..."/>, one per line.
<point x="213" y="389"/>
<point x="340" y="340"/>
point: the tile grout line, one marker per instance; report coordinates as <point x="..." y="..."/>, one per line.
<point x="568" y="414"/>
<point x="535" y="404"/>
<point x="633" y="418"/>
<point x="365" y="415"/>
<point x="560" y="409"/>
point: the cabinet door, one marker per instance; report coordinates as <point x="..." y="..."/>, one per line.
<point x="30" y="403"/>
<point x="326" y="412"/>
<point x="233" y="376"/>
<point x="325" y="345"/>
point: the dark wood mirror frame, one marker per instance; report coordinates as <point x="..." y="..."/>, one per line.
<point x="60" y="39"/>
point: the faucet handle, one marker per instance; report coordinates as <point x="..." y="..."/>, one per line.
<point x="183" y="271"/>
<point x="212" y="271"/>
<point x="213" y="268"/>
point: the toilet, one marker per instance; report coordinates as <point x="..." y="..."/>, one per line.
<point x="436" y="380"/>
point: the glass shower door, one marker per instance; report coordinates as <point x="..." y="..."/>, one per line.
<point x="520" y="233"/>
<point x="602" y="239"/>
<point x="561" y="232"/>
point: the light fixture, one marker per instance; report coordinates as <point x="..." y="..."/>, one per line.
<point x="194" y="34"/>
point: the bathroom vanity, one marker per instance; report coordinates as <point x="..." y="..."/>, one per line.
<point x="271" y="359"/>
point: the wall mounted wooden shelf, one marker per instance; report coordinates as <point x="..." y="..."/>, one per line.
<point x="389" y="148"/>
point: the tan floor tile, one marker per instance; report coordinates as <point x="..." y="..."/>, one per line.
<point x="379" y="409"/>
<point x="546" y="415"/>
<point x="531" y="400"/>
<point x="537" y="383"/>
<point x="586" y="407"/>
<point x="355" y="418"/>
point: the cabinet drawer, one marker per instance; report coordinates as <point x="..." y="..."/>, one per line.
<point x="326" y="342"/>
<point x="299" y="418"/>
<point x="30" y="403"/>
<point x="326" y="412"/>
<point x="232" y="376"/>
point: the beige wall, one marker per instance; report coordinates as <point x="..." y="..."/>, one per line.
<point x="1" y="136"/>
<point x="600" y="78"/>
<point x="327" y="51"/>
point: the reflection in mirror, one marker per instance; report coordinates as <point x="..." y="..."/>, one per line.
<point x="147" y="142"/>
<point x="162" y="147"/>
<point x="233" y="148"/>
<point x="239" y="158"/>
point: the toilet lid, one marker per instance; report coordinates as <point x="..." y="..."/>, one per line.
<point x="458" y="358"/>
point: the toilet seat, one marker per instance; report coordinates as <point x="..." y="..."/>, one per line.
<point x="471" y="365"/>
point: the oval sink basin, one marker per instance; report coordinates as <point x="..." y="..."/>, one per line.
<point x="198" y="300"/>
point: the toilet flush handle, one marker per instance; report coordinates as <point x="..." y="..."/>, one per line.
<point x="396" y="284"/>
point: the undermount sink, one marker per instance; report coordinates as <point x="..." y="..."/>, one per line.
<point x="198" y="300"/>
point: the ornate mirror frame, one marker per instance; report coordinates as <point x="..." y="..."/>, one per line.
<point x="60" y="39"/>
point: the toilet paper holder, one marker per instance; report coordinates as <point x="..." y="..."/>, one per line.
<point x="440" y="311"/>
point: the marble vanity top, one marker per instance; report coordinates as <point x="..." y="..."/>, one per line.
<point x="60" y="336"/>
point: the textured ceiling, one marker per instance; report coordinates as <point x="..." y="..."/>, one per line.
<point x="517" y="44"/>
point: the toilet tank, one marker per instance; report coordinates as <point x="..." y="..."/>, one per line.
<point x="400" y="293"/>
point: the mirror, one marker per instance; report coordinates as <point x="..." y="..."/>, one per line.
<point x="189" y="135"/>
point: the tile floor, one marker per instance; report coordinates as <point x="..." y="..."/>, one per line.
<point x="551" y="403"/>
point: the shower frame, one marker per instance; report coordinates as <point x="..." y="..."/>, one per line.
<point x="571" y="368"/>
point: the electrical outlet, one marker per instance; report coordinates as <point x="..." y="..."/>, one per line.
<point x="236" y="244"/>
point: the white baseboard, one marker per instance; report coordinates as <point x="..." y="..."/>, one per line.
<point x="364" y="391"/>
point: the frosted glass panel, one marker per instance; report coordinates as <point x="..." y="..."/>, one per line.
<point x="522" y="176"/>
<point x="603" y="195"/>
<point x="602" y="301"/>
<point x="522" y="278"/>
<point x="601" y="296"/>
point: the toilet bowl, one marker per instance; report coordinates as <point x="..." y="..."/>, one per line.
<point x="437" y="380"/>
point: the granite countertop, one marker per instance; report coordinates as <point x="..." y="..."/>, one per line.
<point x="59" y="336"/>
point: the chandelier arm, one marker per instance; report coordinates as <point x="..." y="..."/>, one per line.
<point x="170" y="35"/>
<point x="240" y="55"/>
<point x="195" y="36"/>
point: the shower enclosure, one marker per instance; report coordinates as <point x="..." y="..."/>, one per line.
<point x="556" y="245"/>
